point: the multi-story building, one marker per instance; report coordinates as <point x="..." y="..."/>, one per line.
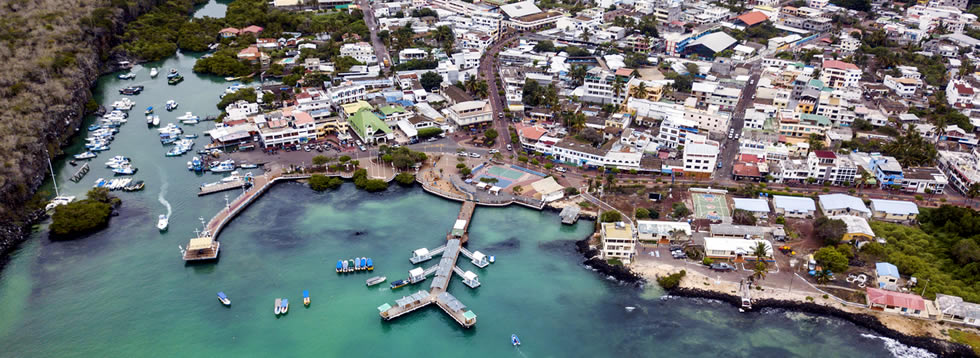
<point x="904" y="87"/>
<point x="360" y="51"/>
<point x="886" y="170"/>
<point x="345" y="93"/>
<point x="961" y="94"/>
<point x="711" y="119"/>
<point x="470" y="113"/>
<point x="836" y="109"/>
<point x="491" y="22"/>
<point x="924" y="180"/>
<point x="961" y="169"/>
<point x="601" y="85"/>
<point x="825" y="166"/>
<point x="612" y="154"/>
<point x="700" y="156"/>
<point x="801" y="125"/>
<point x="618" y="241"/>
<point x="241" y="109"/>
<point x="286" y="127"/>
<point x="840" y="74"/>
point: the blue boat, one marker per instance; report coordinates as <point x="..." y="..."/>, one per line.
<point x="94" y="127"/>
<point x="285" y="306"/>
<point x="340" y="265"/>
<point x="514" y="340"/>
<point x="370" y="265"/>
<point x="148" y="110"/>
<point x="363" y="264"/>
<point x="224" y="299"/>
<point x="306" y="298"/>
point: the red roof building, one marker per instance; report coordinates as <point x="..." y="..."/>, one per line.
<point x="840" y="65"/>
<point x="751" y="18"/>
<point x="895" y="301"/>
<point x="252" y="29"/>
<point x="825" y="154"/>
<point x="229" y="32"/>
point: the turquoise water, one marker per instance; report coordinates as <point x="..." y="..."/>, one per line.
<point x="124" y="292"/>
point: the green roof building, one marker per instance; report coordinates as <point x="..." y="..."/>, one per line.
<point x="369" y="127"/>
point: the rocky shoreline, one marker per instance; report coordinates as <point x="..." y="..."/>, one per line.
<point x="940" y="347"/>
<point x="592" y="260"/>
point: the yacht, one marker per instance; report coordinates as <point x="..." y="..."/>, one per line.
<point x="127" y="76"/>
<point x="57" y="201"/>
<point x="86" y="155"/>
<point x="154" y="72"/>
<point x="124" y="104"/>
<point x="173" y="73"/>
<point x="163" y="222"/>
<point x="125" y="170"/>
<point x="224" y="167"/>
<point x="189" y="118"/>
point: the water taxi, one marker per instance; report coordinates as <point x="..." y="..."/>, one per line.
<point x="173" y="73"/>
<point x="398" y="283"/>
<point x="154" y="72"/>
<point x="149" y="110"/>
<point x="86" y="155"/>
<point x="58" y="201"/>
<point x="175" y="80"/>
<point x="340" y="266"/>
<point x="171" y="105"/>
<point x="375" y="280"/>
<point x="163" y="222"/>
<point x="306" y="298"/>
<point x="278" y="306"/>
<point x="370" y="265"/>
<point x="493" y="259"/>
<point x="127" y="76"/>
<point x="224" y="299"/>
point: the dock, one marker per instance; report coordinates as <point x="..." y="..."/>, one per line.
<point x="442" y="272"/>
<point x="80" y="173"/>
<point x="220" y="187"/>
<point x="569" y="215"/>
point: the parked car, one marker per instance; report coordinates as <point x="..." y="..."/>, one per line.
<point x="561" y="169"/>
<point x="509" y="147"/>
<point x="462" y="154"/>
<point x="475" y="155"/>
<point x="722" y="267"/>
<point x="494" y="151"/>
<point x="678" y="254"/>
<point x="361" y="147"/>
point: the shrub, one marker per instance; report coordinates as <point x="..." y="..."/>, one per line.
<point x="428" y="132"/>
<point x="671" y="281"/>
<point x="610" y="216"/>
<point x="707" y="261"/>
<point x="780" y="220"/>
<point x="406" y="179"/>
<point x="84" y="216"/>
<point x="642" y="213"/>
<point x="374" y="185"/>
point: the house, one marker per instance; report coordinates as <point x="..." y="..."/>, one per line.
<point x="895" y="302"/>
<point x="470" y="113"/>
<point x="758" y="207"/>
<point x="840" y="74"/>
<point x="894" y="210"/>
<point x="251" y="30"/>
<point x="794" y="206"/>
<point x="857" y="228"/>
<point x="742" y="231"/>
<point x="735" y="250"/>
<point x="954" y="309"/>
<point x="700" y="156"/>
<point x="228" y="32"/>
<point x="924" y="180"/>
<point x="887" y="276"/>
<point x="548" y="189"/>
<point x="287" y="127"/>
<point x="663" y="232"/>
<point x="842" y="204"/>
<point x="251" y="54"/>
<point x="617" y="241"/>
<point x="751" y="18"/>
<point x="412" y="54"/>
<point x="369" y="128"/>
<point x="709" y="45"/>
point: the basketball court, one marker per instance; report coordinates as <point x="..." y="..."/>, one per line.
<point x="710" y="206"/>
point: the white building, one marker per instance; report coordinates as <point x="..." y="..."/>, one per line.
<point x="904" y="87"/>
<point x="700" y="155"/>
<point x="794" y="206"/>
<point x="412" y="54"/>
<point x="241" y="110"/>
<point x="360" y="51"/>
<point x="825" y="166"/>
<point x="840" y="74"/>
<point x="285" y="128"/>
<point x="662" y="232"/>
<point x="470" y="113"/>
<point x="345" y="93"/>
<point x="618" y="241"/>
<point x="841" y="204"/>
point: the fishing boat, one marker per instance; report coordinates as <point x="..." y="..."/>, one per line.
<point x="99" y="183"/>
<point x="154" y="72"/>
<point x="248" y="166"/>
<point x="398" y="283"/>
<point x="370" y="265"/>
<point x="278" y="306"/>
<point x="173" y="73"/>
<point x="163" y="222"/>
<point x="285" y="306"/>
<point x="137" y="186"/>
<point x="94" y="127"/>
<point x="149" y="110"/>
<point x="357" y="264"/>
<point x="195" y="165"/>
<point x="514" y="340"/>
<point x="190" y="136"/>
<point x="363" y="263"/>
<point x="340" y="265"/>
<point x="86" y="155"/>
<point x="171" y="105"/>
<point x="131" y="90"/>
<point x="175" y="80"/>
<point x="58" y="201"/>
<point x="224" y="167"/>
<point x="306" y="298"/>
<point x="375" y="280"/>
<point x="127" y="76"/>
<point x="224" y="299"/>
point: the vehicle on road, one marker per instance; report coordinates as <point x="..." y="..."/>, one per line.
<point x="475" y="155"/>
<point x="561" y="169"/>
<point x="722" y="267"/>
<point x="509" y="147"/>
<point x="463" y="154"/>
<point x="361" y="147"/>
<point x="493" y="151"/>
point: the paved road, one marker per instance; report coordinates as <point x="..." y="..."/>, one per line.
<point x="379" y="47"/>
<point x="730" y="146"/>
<point x="488" y="71"/>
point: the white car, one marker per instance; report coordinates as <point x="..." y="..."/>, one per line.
<point x="561" y="169"/>
<point x="509" y="147"/>
<point x="474" y="155"/>
<point x="494" y="151"/>
<point x="462" y="154"/>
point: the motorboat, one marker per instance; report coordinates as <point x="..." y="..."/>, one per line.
<point x="127" y="76"/>
<point x="306" y="298"/>
<point x="234" y="88"/>
<point x="248" y="166"/>
<point x="58" y="201"/>
<point x="99" y="183"/>
<point x="189" y="118"/>
<point x="278" y="306"/>
<point x="131" y="90"/>
<point x="156" y="120"/>
<point x="86" y="155"/>
<point x="514" y="340"/>
<point x="126" y="170"/>
<point x="152" y="120"/>
<point x="163" y="222"/>
<point x="137" y="186"/>
<point x="398" y="283"/>
<point x="370" y="265"/>
<point x="190" y="136"/>
<point x="340" y="265"/>
<point x="149" y="110"/>
<point x="175" y="80"/>
<point x="154" y="72"/>
<point x="375" y="280"/>
<point x="224" y="167"/>
<point x="285" y="306"/>
<point x="195" y="164"/>
<point x="124" y="104"/>
<point x="173" y="73"/>
<point x="492" y="258"/>
<point x="171" y="105"/>
<point x="224" y="299"/>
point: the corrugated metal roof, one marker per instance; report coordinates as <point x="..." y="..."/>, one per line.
<point x="753" y="205"/>
<point x="793" y="203"/>
<point x="894" y="207"/>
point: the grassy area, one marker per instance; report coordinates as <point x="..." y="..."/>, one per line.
<point x="967" y="338"/>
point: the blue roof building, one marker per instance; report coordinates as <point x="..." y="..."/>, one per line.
<point x="887" y="275"/>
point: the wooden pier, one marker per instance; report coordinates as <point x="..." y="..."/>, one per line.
<point x="443" y="272"/>
<point x="217" y="188"/>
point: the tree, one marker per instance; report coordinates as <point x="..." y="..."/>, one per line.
<point x="610" y="216"/>
<point x="405" y="178"/>
<point x="831" y="259"/>
<point x="490" y="134"/>
<point x="681" y="210"/>
<point x="444" y="35"/>
<point x="81" y="217"/>
<point x="617" y="88"/>
<point x="642" y="213"/>
<point x="829" y="231"/>
<point x="430" y="81"/>
<point x="429" y="132"/>
<point x="815" y="142"/>
<point x="578" y="73"/>
<point x="760" y="251"/>
<point x="972" y="191"/>
<point x="320" y="160"/>
<point x="743" y="217"/>
<point x="319" y="182"/>
<point x="640" y="91"/>
<point x="544" y="46"/>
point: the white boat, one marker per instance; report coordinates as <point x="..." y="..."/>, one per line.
<point x="163" y="222"/>
<point x="189" y="118"/>
<point x="124" y="104"/>
<point x="57" y="201"/>
<point x="154" y="72"/>
<point x="375" y="280"/>
<point x="127" y="76"/>
<point x="278" y="309"/>
<point x="224" y="167"/>
<point x="171" y="105"/>
<point x="235" y="88"/>
<point x="86" y="155"/>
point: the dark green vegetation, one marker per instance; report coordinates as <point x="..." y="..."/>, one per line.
<point x="671" y="281"/>
<point x="829" y="231"/>
<point x="84" y="216"/>
<point x="610" y="216"/>
<point x="405" y="178"/>
<point x="246" y="94"/>
<point x="942" y="250"/>
<point x="401" y="158"/>
<point x="429" y="132"/>
<point x="372" y="185"/>
<point x="160" y="32"/>
<point x="320" y="182"/>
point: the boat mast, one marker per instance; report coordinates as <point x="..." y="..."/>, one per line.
<point x="50" y="167"/>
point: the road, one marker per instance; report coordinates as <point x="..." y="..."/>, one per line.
<point x="379" y="47"/>
<point x="488" y="71"/>
<point x="730" y="146"/>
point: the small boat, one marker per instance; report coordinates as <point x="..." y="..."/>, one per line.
<point x="72" y="162"/>
<point x="94" y="127"/>
<point x="514" y="340"/>
<point x="127" y="76"/>
<point x="370" y="265"/>
<point x="357" y="264"/>
<point x="189" y="118"/>
<point x="171" y="105"/>
<point x="375" y="280"/>
<point x="248" y="166"/>
<point x="137" y="186"/>
<point x="173" y="73"/>
<point x="58" y="201"/>
<point x="124" y="171"/>
<point x="163" y="222"/>
<point x="306" y="298"/>
<point x="156" y="120"/>
<point x="340" y="265"/>
<point x="224" y="299"/>
<point x="223" y="167"/>
<point x="398" y="283"/>
<point x="86" y="155"/>
<point x="131" y="90"/>
<point x="190" y="136"/>
<point x="154" y="72"/>
<point x="175" y="80"/>
<point x="285" y="306"/>
<point x="493" y="258"/>
<point x="149" y="110"/>
<point x="363" y="264"/>
<point x="278" y="306"/>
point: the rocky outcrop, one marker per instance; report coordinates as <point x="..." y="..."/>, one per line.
<point x="618" y="272"/>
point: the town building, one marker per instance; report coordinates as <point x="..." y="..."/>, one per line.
<point x="794" y="206"/>
<point x="700" y="156"/>
<point x="758" y="207"/>
<point x="369" y="128"/>
<point x="840" y="74"/>
<point x="842" y="204"/>
<point x="962" y="169"/>
<point x="663" y="232"/>
<point x="360" y="51"/>
<point x="618" y="241"/>
<point x="470" y="113"/>
<point x="858" y="228"/>
<point x="905" y="304"/>
<point x="825" y="166"/>
<point x="887" y="276"/>
<point x="954" y="309"/>
<point x="894" y="210"/>
<point x="924" y="180"/>
<point x="286" y="127"/>
<point x="735" y="250"/>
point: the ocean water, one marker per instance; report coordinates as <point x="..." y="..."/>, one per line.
<point x="125" y="292"/>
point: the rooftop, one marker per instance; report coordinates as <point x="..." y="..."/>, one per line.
<point x="753" y="205"/>
<point x="794" y="203"/>
<point x="894" y="207"/>
<point x="889" y="298"/>
<point x="842" y="201"/>
<point x="855" y="225"/>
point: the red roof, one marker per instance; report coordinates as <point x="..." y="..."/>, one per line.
<point x="749" y="158"/>
<point x="752" y="18"/>
<point x="745" y="170"/>
<point x="963" y="89"/>
<point x="897" y="299"/>
<point x="840" y="65"/>
<point x="825" y="154"/>
<point x="253" y="29"/>
<point x="532" y="132"/>
<point x="625" y="72"/>
<point x="229" y="30"/>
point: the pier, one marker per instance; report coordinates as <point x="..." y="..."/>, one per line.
<point x="219" y="187"/>
<point x="443" y="272"/>
<point x="80" y="173"/>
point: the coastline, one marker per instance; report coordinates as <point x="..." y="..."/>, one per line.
<point x="911" y="332"/>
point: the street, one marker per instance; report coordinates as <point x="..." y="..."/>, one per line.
<point x="384" y="59"/>
<point x="729" y="145"/>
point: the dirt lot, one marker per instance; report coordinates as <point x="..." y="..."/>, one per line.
<point x="627" y="197"/>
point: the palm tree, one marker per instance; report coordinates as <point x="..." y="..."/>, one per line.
<point x="865" y="178"/>
<point x="815" y="142"/>
<point x="577" y="73"/>
<point x="640" y="91"/>
<point x="760" y="252"/>
<point x="940" y="122"/>
<point x="585" y="35"/>
<point x="973" y="191"/>
<point x="677" y="235"/>
<point x="470" y="84"/>
<point x="617" y="88"/>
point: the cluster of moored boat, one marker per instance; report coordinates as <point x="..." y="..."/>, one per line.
<point x="355" y="264"/>
<point x="180" y="147"/>
<point x="121" y="165"/>
<point x="101" y="134"/>
<point x="124" y="184"/>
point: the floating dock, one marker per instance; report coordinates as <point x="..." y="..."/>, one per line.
<point x="217" y="188"/>
<point x="569" y="215"/>
<point x="80" y="173"/>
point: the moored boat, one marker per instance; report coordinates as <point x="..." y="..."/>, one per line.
<point x="175" y="80"/>
<point x="127" y="76"/>
<point x="149" y="110"/>
<point x="306" y="298"/>
<point x="173" y="73"/>
<point x="285" y="306"/>
<point x="224" y="299"/>
<point x="375" y="280"/>
<point x="248" y="166"/>
<point x="493" y="259"/>
<point x="154" y="72"/>
<point x="370" y="265"/>
<point x="58" y="201"/>
<point x="278" y="306"/>
<point x="86" y="155"/>
<point x="340" y="265"/>
<point x="171" y="105"/>
<point x="398" y="283"/>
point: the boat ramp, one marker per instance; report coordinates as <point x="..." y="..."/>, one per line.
<point x="442" y="273"/>
<point x="80" y="173"/>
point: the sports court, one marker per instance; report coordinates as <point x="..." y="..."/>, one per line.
<point x="710" y="206"/>
<point x="506" y="175"/>
<point x="504" y="172"/>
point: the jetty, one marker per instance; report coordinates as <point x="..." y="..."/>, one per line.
<point x="442" y="273"/>
<point x="80" y="173"/>
<point x="569" y="215"/>
<point x="223" y="186"/>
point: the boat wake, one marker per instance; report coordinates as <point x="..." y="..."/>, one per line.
<point x="163" y="191"/>
<point x="900" y="350"/>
